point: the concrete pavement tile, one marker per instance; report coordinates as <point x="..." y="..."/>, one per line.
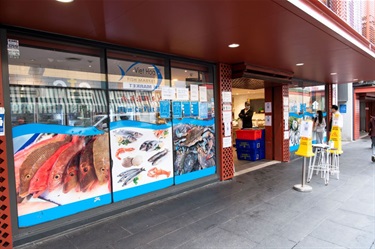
<point x="342" y="235"/>
<point x="59" y="242"/>
<point x="314" y="243"/>
<point x="134" y="224"/>
<point x="253" y="229"/>
<point x="275" y="242"/>
<point x="208" y="223"/>
<point x="88" y="237"/>
<point x="217" y="238"/>
<point x="359" y="207"/>
<point x="238" y="208"/>
<point x="354" y="220"/>
<point x="174" y="239"/>
<point x="327" y="204"/>
<point x="273" y="214"/>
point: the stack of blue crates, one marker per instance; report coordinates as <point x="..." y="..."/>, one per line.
<point x="251" y="150"/>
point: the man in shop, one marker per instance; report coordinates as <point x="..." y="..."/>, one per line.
<point x="246" y="115"/>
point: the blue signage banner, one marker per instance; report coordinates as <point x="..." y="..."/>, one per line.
<point x="177" y="109"/>
<point x="195" y="108"/>
<point x="165" y="109"/>
<point x="2" y="118"/>
<point x="343" y="108"/>
<point x="187" y="109"/>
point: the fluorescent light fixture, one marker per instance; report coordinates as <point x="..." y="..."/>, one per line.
<point x="175" y="80"/>
<point x="234" y="45"/>
<point x="65" y="1"/>
<point x="299" y="64"/>
<point x="333" y="73"/>
<point x="151" y="67"/>
<point x="355" y="79"/>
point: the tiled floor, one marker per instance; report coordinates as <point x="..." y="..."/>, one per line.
<point x="255" y="210"/>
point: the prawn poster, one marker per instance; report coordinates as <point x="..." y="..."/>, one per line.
<point x="142" y="158"/>
<point x="59" y="171"/>
<point x="194" y="149"/>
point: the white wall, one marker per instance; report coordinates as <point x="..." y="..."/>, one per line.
<point x="347" y="129"/>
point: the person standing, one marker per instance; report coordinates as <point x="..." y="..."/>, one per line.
<point x="319" y="127"/>
<point x="246" y="115"/>
<point x="336" y="119"/>
<point x="372" y="135"/>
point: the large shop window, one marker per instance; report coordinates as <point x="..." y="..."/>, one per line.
<point x="304" y="102"/>
<point x="61" y="155"/>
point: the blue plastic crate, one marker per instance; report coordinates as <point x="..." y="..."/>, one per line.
<point x="248" y="144"/>
<point x="262" y="154"/>
<point x="263" y="133"/>
<point x="248" y="155"/>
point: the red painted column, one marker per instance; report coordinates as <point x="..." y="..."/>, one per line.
<point x="5" y="210"/>
<point x="268" y="97"/>
<point x="226" y="167"/>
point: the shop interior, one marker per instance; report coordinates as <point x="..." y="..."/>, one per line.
<point x="246" y="159"/>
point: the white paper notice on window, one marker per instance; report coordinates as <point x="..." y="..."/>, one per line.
<point x="227" y="117"/>
<point x="227" y="97"/>
<point x="168" y="93"/>
<point x="286" y="135"/>
<point x="268" y="120"/>
<point x="203" y="94"/>
<point x="182" y="93"/>
<point x="268" y="107"/>
<point x="227" y="142"/>
<point x="194" y="93"/>
<point x="306" y="129"/>
<point x="227" y="129"/>
<point x="286" y="101"/>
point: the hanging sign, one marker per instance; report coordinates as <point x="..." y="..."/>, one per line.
<point x="168" y="93"/>
<point x="177" y="109"/>
<point x="194" y="96"/>
<point x="2" y="121"/>
<point x="203" y="110"/>
<point x="137" y="86"/>
<point x="13" y="49"/>
<point x="194" y="108"/>
<point x="165" y="109"/>
<point x="186" y="108"/>
<point x="182" y="93"/>
<point x="202" y="94"/>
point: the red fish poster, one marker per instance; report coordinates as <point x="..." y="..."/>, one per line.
<point x="59" y="171"/>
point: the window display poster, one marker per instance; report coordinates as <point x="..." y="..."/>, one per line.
<point x="286" y="101"/>
<point x="203" y="110"/>
<point x="286" y="121"/>
<point x="227" y="97"/>
<point x="182" y="93"/>
<point x="168" y="93"/>
<point x="177" y="109"/>
<point x="202" y="94"/>
<point x="165" y="109"/>
<point x="286" y="135"/>
<point x="194" y="93"/>
<point x="194" y="108"/>
<point x="306" y="129"/>
<point x="186" y="109"/>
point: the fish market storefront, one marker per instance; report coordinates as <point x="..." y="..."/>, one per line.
<point x="94" y="127"/>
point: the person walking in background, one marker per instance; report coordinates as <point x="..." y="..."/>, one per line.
<point x="372" y="135"/>
<point x="246" y="115"/>
<point x="319" y="127"/>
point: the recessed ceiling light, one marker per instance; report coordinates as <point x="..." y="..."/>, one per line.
<point x="175" y="80"/>
<point x="333" y="73"/>
<point x="65" y="1"/>
<point x="89" y="65"/>
<point x="299" y="64"/>
<point x="234" y="45"/>
<point x="185" y="71"/>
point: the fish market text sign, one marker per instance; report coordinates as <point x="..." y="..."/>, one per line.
<point x="144" y="83"/>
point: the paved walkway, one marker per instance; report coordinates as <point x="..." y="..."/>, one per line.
<point x="255" y="210"/>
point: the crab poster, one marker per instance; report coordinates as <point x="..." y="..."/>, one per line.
<point x="59" y="171"/>
<point x="194" y="149"/>
<point x="142" y="158"/>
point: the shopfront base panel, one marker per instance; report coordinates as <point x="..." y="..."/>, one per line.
<point x="195" y="175"/>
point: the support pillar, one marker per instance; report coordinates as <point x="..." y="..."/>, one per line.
<point x="226" y="167"/>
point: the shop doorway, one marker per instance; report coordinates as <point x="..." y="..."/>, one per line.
<point x="248" y="143"/>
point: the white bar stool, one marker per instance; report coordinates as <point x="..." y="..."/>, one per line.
<point x="334" y="168"/>
<point x="320" y="162"/>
